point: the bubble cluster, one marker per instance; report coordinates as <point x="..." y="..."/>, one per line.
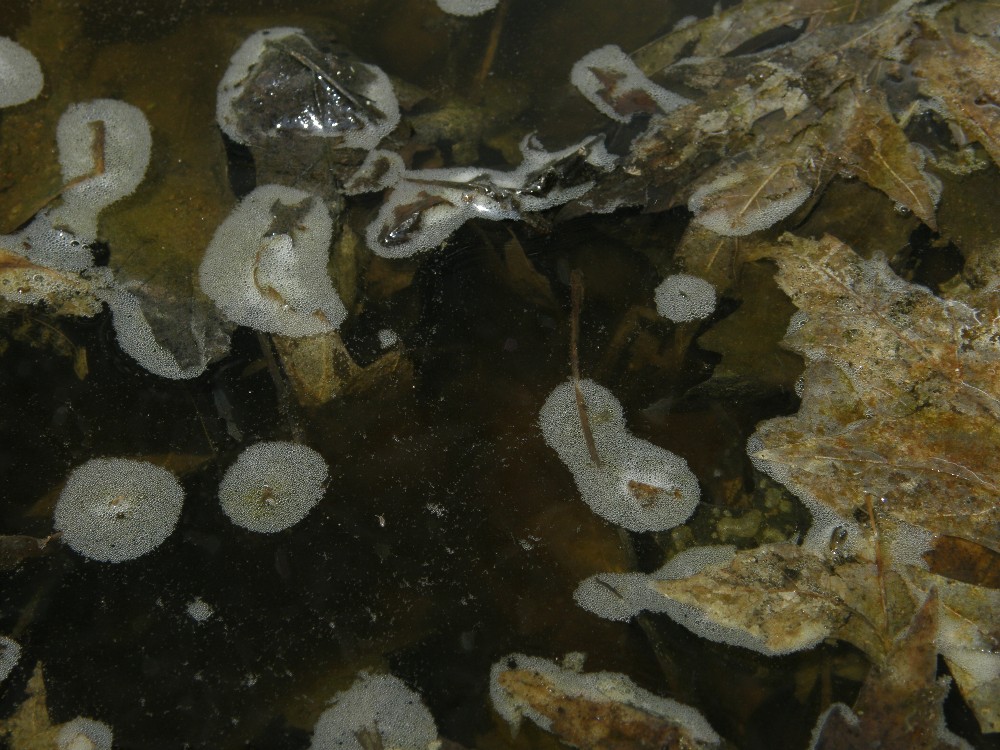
<point x="104" y="149"/>
<point x="597" y="687"/>
<point x="376" y="704"/>
<point x="10" y="655"/>
<point x="621" y="596"/>
<point x="748" y="211"/>
<point x="682" y="298"/>
<point x="279" y="83"/>
<point x="199" y="610"/>
<point x="270" y="274"/>
<point x="607" y="73"/>
<point x="21" y="76"/>
<point x="116" y="509"/>
<point x="84" y="734"/>
<point x="637" y="485"/>
<point x="272" y="486"/>
<point x="466" y="7"/>
<point x="427" y="205"/>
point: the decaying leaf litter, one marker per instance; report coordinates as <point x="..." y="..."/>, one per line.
<point x="890" y="449"/>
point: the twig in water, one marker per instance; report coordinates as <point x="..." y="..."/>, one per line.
<point x="576" y="294"/>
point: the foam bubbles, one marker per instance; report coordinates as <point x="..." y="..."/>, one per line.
<point x="739" y="203"/>
<point x="427" y="205"/>
<point x="273" y="486"/>
<point x="100" y="131"/>
<point x="682" y="298"/>
<point x="21" y="76"/>
<point x="279" y="83"/>
<point x="84" y="734"/>
<point x="594" y="687"/>
<point x="199" y="610"/>
<point x="10" y="655"/>
<point x="269" y="272"/>
<point x="637" y="485"/>
<point x="116" y="509"/>
<point x="466" y="7"/>
<point x="610" y="81"/>
<point x="380" y="705"/>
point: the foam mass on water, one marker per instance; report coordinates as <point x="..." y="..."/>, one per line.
<point x="376" y="706"/>
<point x="607" y="73"/>
<point x="272" y="486"/>
<point x="104" y="150"/>
<point x="466" y="7"/>
<point x="280" y="83"/>
<point x="637" y="485"/>
<point x="683" y="297"/>
<point x="84" y="734"/>
<point x="21" y="78"/>
<point x="116" y="509"/>
<point x="266" y="264"/>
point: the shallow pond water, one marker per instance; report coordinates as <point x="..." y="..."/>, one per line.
<point x="450" y="534"/>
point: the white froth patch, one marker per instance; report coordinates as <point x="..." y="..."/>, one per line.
<point x="380" y="170"/>
<point x="597" y="687"/>
<point x="274" y="279"/>
<point x="199" y="610"/>
<point x="606" y="72"/>
<point x="273" y="486"/>
<point x="466" y="7"/>
<point x="21" y="78"/>
<point x="387" y="338"/>
<point x="378" y="91"/>
<point x="380" y="705"/>
<point x="84" y="734"/>
<point x="10" y="655"/>
<point x="682" y="298"/>
<point x="240" y="66"/>
<point x="116" y="509"/>
<point x="127" y="144"/>
<point x="733" y="204"/>
<point x="135" y="337"/>
<point x="637" y="485"/>
<point x="427" y="205"/>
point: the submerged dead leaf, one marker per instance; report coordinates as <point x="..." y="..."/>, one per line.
<point x="30" y="727"/>
<point x="913" y="420"/>
<point x="16" y="548"/>
<point x="24" y="282"/>
<point x="901" y="701"/>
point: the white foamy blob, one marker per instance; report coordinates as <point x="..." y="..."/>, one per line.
<point x="375" y="118"/>
<point x="683" y="297"/>
<point x="607" y="77"/>
<point x="199" y="610"/>
<point x="84" y="734"/>
<point x="273" y="278"/>
<point x="115" y="509"/>
<point x="387" y="338"/>
<point x="637" y="485"/>
<point x="427" y="205"/>
<point x="750" y="210"/>
<point x="380" y="169"/>
<point x="596" y="687"/>
<point x="21" y="76"/>
<point x="10" y="655"/>
<point x="379" y="705"/>
<point x="466" y="7"/>
<point x="103" y="128"/>
<point x="273" y="486"/>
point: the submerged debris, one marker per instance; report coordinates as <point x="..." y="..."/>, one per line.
<point x="593" y="710"/>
